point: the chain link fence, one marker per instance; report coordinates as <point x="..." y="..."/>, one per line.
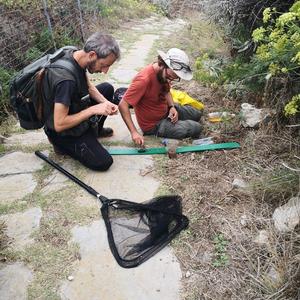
<point x="30" y="31"/>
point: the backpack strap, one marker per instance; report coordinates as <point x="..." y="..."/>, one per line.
<point x="59" y="63"/>
<point x="66" y="64"/>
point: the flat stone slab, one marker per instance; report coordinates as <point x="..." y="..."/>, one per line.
<point x="156" y="279"/>
<point x="31" y="138"/>
<point x="134" y="60"/>
<point x="123" y="180"/>
<point x="21" y="225"/>
<point x="121" y="132"/>
<point x="57" y="181"/>
<point x="14" y="280"/>
<point x="18" y="163"/>
<point x="16" y="187"/>
<point x="84" y="199"/>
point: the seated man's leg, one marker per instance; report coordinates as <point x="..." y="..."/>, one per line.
<point x="180" y="130"/>
<point x="107" y="90"/>
<point x="187" y="112"/>
<point x="85" y="149"/>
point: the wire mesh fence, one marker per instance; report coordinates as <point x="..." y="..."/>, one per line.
<point x="30" y="31"/>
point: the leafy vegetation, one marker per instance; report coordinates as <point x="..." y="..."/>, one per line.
<point x="279" y="48"/>
<point x="273" y="66"/>
<point x="110" y="13"/>
<point x="5" y="76"/>
<point x="221" y="257"/>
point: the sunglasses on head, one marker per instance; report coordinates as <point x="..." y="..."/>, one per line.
<point x="178" y="66"/>
<point x="171" y="78"/>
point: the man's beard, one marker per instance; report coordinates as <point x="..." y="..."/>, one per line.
<point x="91" y="67"/>
<point x="160" y="77"/>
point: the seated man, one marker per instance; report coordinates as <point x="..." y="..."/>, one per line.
<point x="149" y="95"/>
<point x="76" y="110"/>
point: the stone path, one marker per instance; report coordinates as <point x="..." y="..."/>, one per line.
<point x="32" y="194"/>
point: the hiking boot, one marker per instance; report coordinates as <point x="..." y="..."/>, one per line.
<point x="105" y="132"/>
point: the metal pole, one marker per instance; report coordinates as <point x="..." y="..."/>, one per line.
<point x="49" y="22"/>
<point x="81" y="20"/>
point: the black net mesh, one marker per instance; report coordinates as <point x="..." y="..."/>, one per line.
<point x="137" y="231"/>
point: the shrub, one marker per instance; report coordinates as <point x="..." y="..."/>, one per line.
<point x="5" y="76"/>
<point x="279" y="47"/>
<point x="273" y="70"/>
<point x="240" y="17"/>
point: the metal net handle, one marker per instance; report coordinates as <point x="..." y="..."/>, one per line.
<point x="72" y="177"/>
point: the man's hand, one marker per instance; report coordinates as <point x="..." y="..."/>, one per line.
<point x="173" y="115"/>
<point x="137" y="138"/>
<point x="106" y="108"/>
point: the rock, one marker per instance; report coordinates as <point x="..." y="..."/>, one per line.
<point x="287" y="217"/>
<point x="31" y="138"/>
<point x="239" y="183"/>
<point x="262" y="238"/>
<point x="274" y="277"/>
<point x="58" y="181"/>
<point x="15" y="187"/>
<point x="97" y="263"/>
<point x="16" y="178"/>
<point x="243" y="220"/>
<point x="188" y="274"/>
<point x="21" y="225"/>
<point x="19" y="163"/>
<point x="14" y="280"/>
<point x="129" y="170"/>
<point x="252" y="117"/>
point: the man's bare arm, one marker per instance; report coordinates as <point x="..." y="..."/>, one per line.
<point x="126" y="115"/>
<point x="94" y="93"/>
<point x="63" y="121"/>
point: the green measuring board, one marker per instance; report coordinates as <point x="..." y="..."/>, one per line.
<point x="163" y="150"/>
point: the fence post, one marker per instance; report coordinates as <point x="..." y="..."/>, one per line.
<point x="81" y="20"/>
<point x="49" y="22"/>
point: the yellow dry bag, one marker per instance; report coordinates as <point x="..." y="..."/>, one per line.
<point x="183" y="98"/>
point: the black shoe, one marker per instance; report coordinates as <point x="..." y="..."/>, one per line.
<point x="105" y="132"/>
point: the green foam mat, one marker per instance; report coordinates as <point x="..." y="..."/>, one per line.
<point x="163" y="150"/>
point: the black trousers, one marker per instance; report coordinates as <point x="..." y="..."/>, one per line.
<point x="86" y="147"/>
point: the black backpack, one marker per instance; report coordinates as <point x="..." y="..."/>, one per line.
<point x="26" y="87"/>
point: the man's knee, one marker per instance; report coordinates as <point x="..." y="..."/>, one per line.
<point x="195" y="130"/>
<point x="188" y="112"/>
<point x="107" y="90"/>
<point x="102" y="165"/>
<point x="180" y="130"/>
<point x="93" y="156"/>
